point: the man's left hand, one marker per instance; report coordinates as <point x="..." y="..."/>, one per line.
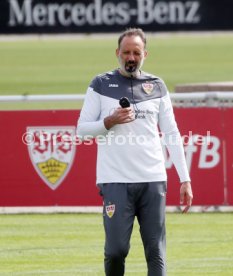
<point x="186" y="195"/>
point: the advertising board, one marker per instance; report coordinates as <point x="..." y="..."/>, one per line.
<point x="44" y="164"/>
<point x="100" y="16"/>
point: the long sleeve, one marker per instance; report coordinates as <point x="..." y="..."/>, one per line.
<point x="89" y="124"/>
<point x="172" y="138"/>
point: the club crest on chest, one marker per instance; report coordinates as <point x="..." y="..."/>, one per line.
<point x="147" y="87"/>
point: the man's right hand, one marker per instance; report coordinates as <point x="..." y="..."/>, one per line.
<point x="119" y="116"/>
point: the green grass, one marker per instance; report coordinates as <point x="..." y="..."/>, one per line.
<point x="56" y="66"/>
<point x="67" y="66"/>
<point x="72" y="244"/>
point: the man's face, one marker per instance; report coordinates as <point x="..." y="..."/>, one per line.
<point x="131" y="55"/>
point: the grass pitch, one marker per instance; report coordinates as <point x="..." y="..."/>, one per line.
<point x="72" y="244"/>
<point x="58" y="66"/>
<point x="67" y="66"/>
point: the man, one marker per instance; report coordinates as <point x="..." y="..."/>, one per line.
<point x="130" y="165"/>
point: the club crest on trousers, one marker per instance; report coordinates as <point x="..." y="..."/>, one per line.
<point x="110" y="210"/>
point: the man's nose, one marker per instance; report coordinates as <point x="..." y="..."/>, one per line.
<point x="131" y="56"/>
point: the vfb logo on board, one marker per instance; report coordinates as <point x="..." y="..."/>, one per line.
<point x="52" y="152"/>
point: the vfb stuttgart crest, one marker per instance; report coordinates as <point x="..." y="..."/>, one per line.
<point x="148" y="87"/>
<point x="52" y="152"/>
<point x="110" y="210"/>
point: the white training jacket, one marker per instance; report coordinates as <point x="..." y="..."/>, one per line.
<point x="132" y="152"/>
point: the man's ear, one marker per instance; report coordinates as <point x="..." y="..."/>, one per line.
<point x="145" y="53"/>
<point x="117" y="52"/>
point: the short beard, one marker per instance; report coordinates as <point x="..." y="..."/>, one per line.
<point x="136" y="70"/>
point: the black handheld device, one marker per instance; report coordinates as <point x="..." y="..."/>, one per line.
<point x="124" y="102"/>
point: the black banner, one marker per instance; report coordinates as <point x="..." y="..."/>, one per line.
<point x="93" y="16"/>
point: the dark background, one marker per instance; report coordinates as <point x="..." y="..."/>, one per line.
<point x="213" y="14"/>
